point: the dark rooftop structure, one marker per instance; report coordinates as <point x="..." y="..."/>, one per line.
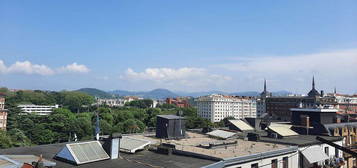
<point x="170" y="127"/>
<point x="143" y="159"/>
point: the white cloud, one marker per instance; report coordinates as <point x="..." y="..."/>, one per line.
<point x="26" y="67"/>
<point x="74" y="68"/>
<point x="176" y="78"/>
<point x="333" y="68"/>
<point x="331" y="62"/>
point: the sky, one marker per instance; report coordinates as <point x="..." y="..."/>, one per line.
<point x="201" y="45"/>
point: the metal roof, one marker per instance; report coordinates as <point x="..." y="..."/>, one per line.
<point x="221" y="134"/>
<point x="84" y="152"/>
<point x="16" y="161"/>
<point x="314" y="154"/>
<point x="330" y="127"/>
<point x="170" y="117"/>
<point x="282" y="130"/>
<point x="131" y="145"/>
<point x="241" y="125"/>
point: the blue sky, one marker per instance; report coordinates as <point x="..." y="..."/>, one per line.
<point x="179" y="45"/>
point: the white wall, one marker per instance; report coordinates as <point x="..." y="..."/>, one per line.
<point x="266" y="163"/>
<point x="322" y="146"/>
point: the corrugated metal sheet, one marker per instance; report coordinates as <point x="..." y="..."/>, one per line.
<point x="314" y="154"/>
<point x="221" y="134"/>
<point x="241" y="125"/>
<point x="129" y="144"/>
<point x="283" y="130"/>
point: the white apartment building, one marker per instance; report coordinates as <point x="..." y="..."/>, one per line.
<point x="111" y="102"/>
<point x="217" y="107"/>
<point x="3" y="114"/>
<point x="37" y="109"/>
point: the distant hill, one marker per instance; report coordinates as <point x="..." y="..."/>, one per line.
<point x="248" y="93"/>
<point x="164" y="93"/>
<point x="197" y="94"/>
<point x="96" y="92"/>
<point x="153" y="94"/>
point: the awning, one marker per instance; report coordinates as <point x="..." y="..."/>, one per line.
<point x="314" y="154"/>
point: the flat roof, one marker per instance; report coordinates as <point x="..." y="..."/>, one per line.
<point x="142" y="159"/>
<point x="191" y="144"/>
<point x="299" y="140"/>
<point x="170" y="117"/>
<point x="324" y="110"/>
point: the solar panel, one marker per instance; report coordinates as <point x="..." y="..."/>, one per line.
<point x="130" y="144"/>
<point x="283" y="130"/>
<point x="83" y="152"/>
<point x="241" y="125"/>
<point x="221" y="134"/>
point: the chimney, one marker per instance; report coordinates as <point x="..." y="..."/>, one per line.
<point x="112" y="145"/>
<point x="322" y="93"/>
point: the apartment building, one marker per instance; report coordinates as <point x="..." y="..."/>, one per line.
<point x="37" y="109"/>
<point x="179" y="102"/>
<point x="111" y="102"/>
<point x="3" y="114"/>
<point x="217" y="107"/>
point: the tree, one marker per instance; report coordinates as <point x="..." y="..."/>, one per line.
<point x="5" y="140"/>
<point x="145" y="103"/>
<point x="75" y="101"/>
<point x="105" y="127"/>
<point x="19" y="138"/>
<point x="42" y="135"/>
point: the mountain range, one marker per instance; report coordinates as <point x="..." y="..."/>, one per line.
<point x="165" y="93"/>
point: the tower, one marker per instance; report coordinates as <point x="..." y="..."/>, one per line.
<point x="265" y="93"/>
<point x="313" y="92"/>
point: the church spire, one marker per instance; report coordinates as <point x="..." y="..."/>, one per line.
<point x="313" y="82"/>
<point x="334" y="91"/>
<point x="265" y="85"/>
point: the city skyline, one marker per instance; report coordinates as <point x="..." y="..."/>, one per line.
<point x="180" y="46"/>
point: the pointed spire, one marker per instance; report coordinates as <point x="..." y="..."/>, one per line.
<point x="313" y="82"/>
<point x="265" y="85"/>
<point x="334" y="91"/>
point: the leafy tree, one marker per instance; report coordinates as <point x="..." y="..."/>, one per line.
<point x="19" y="138"/>
<point x="42" y="135"/>
<point x="105" y="127"/>
<point x="75" y="101"/>
<point x="145" y="103"/>
<point x="5" y="140"/>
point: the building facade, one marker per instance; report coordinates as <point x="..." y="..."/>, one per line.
<point x="37" y="109"/>
<point x="279" y="107"/>
<point x="3" y="114"/>
<point x="111" y="102"/>
<point x="217" y="107"/>
<point x="261" y="100"/>
<point x="179" y="102"/>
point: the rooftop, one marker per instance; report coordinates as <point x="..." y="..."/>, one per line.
<point x="143" y="159"/>
<point x="223" y="148"/>
<point x="170" y="117"/>
<point x="298" y="140"/>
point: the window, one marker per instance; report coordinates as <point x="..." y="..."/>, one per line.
<point x="274" y="163"/>
<point x="285" y="162"/>
<point x="336" y="152"/>
<point x="326" y="151"/>
<point x="255" y="165"/>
